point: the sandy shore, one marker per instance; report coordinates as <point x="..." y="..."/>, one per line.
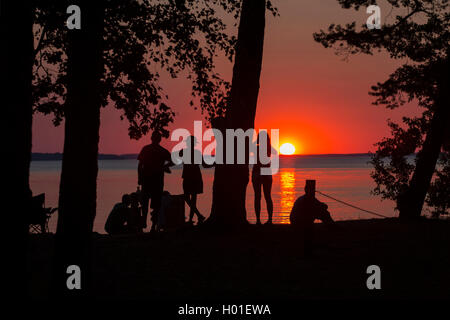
<point x="265" y="263"/>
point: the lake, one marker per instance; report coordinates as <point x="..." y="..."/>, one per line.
<point x="345" y="177"/>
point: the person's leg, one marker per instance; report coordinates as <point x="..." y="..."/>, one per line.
<point x="267" y="188"/>
<point x="257" y="190"/>
<point x="156" y="206"/>
<point x="187" y="198"/>
<point x="200" y="217"/>
<point x="191" y="200"/>
<point x="153" y="219"/>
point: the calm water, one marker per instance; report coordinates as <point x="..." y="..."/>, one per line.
<point x="343" y="177"/>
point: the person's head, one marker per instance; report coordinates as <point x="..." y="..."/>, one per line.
<point x="310" y="188"/>
<point x="126" y="199"/>
<point x="134" y="200"/>
<point x="191" y="141"/>
<point x="156" y="137"/>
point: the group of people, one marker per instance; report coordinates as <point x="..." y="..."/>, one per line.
<point x="154" y="161"/>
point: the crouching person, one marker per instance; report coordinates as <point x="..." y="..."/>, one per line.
<point x="305" y="211"/>
<point x="118" y="218"/>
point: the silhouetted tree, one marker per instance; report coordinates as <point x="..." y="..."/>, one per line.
<point x="230" y="181"/>
<point x="142" y="40"/>
<point x="123" y="39"/>
<point x="16" y="57"/>
<point x="78" y="187"/>
<point x="422" y="35"/>
<point x="176" y="35"/>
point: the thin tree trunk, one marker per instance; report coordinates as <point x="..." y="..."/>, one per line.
<point x="410" y="203"/>
<point x="230" y="181"/>
<point x="16" y="24"/>
<point x="77" y="198"/>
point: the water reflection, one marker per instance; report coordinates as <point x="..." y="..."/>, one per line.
<point x="352" y="185"/>
<point x="287" y="194"/>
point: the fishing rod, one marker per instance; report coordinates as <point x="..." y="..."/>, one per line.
<point x="351" y="205"/>
<point x="347" y="204"/>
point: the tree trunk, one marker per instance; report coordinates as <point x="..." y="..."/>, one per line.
<point x="410" y="203"/>
<point x="230" y="181"/>
<point x="16" y="24"/>
<point x="78" y="186"/>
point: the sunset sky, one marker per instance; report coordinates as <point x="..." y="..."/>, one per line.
<point x="319" y="102"/>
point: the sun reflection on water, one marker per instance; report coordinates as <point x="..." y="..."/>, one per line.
<point x="287" y="196"/>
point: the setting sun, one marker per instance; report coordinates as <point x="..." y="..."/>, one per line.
<point x="287" y="149"/>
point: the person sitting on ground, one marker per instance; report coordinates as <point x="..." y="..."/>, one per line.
<point x="117" y="219"/>
<point x="305" y="211"/>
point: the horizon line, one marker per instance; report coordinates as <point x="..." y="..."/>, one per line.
<point x="282" y="155"/>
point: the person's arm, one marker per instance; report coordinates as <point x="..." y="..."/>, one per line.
<point x="168" y="162"/>
<point x="324" y="215"/>
<point x="326" y="218"/>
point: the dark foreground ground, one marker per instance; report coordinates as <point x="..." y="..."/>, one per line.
<point x="265" y="263"/>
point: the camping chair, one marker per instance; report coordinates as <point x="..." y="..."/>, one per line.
<point x="39" y="215"/>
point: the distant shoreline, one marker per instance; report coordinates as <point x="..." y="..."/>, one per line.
<point x="58" y="156"/>
<point x="38" y="156"/>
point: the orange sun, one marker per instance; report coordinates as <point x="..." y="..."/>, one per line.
<point x="287" y="149"/>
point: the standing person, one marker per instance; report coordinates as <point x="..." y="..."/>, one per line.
<point x="306" y="209"/>
<point x="192" y="178"/>
<point x="154" y="160"/>
<point x="260" y="180"/>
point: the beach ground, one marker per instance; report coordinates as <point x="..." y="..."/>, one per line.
<point x="264" y="263"/>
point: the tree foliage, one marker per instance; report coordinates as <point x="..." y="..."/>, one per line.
<point x="143" y="40"/>
<point x="420" y="36"/>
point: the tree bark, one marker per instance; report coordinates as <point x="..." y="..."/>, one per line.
<point x="78" y="186"/>
<point x="410" y="203"/>
<point x="16" y="24"/>
<point x="230" y="181"/>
